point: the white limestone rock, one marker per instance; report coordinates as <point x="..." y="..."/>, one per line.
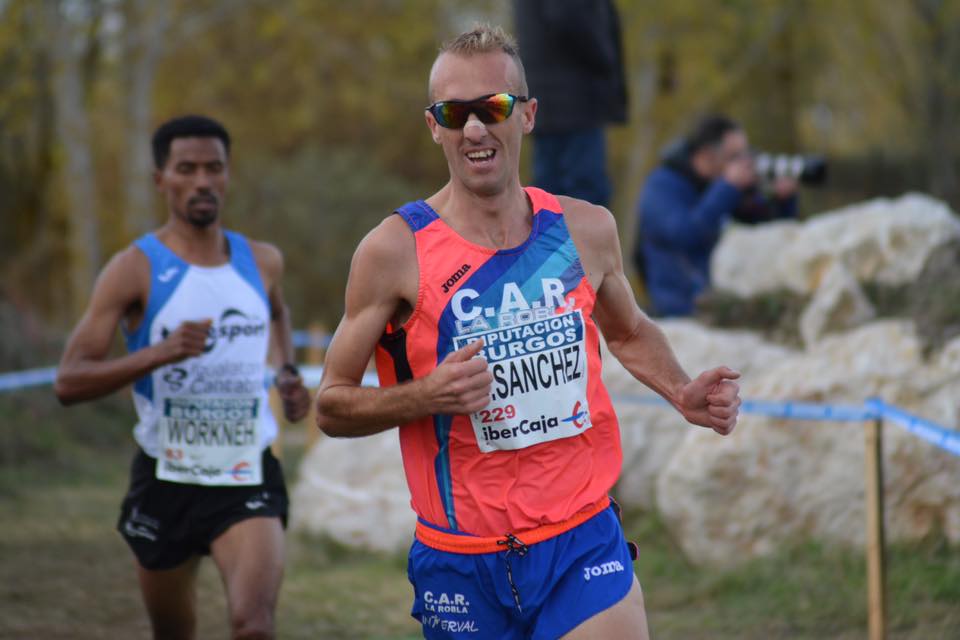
<point x="650" y="434"/>
<point x="881" y="240"/>
<point x="354" y="491"/>
<point x="776" y="481"/>
<point x="839" y="303"/>
<point x="749" y="259"/>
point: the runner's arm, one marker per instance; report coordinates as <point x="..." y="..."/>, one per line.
<point x="85" y="372"/>
<point x="383" y="274"/>
<point x="294" y="396"/>
<point x="711" y="400"/>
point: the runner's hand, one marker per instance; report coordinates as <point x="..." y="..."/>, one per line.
<point x="712" y="400"/>
<point x="460" y="384"/>
<point x="295" y="396"/>
<point x="186" y="341"/>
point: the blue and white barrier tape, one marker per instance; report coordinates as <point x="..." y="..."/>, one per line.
<point x="311" y="375"/>
<point x="27" y="378"/>
<point x="787" y="409"/>
<point x="933" y="433"/>
<point x="874" y="408"/>
<point x="46" y="375"/>
<point x="307" y="339"/>
<point x="807" y="410"/>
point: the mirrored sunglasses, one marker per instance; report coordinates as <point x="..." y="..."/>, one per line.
<point x="496" y="107"/>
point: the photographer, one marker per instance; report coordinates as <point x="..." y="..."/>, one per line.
<point x="704" y="180"/>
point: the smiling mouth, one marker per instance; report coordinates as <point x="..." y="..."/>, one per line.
<point x="481" y="157"/>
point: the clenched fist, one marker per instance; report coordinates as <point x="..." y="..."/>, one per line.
<point x="186" y="341"/>
<point x="712" y="400"/>
<point x="460" y="384"/>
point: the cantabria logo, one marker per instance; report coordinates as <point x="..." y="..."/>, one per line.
<point x="174" y="377"/>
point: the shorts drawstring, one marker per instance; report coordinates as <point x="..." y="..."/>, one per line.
<point x="514" y="545"/>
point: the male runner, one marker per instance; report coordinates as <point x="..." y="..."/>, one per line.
<point x="482" y="304"/>
<point x="198" y="306"/>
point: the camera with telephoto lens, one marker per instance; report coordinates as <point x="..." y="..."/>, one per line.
<point x="810" y="170"/>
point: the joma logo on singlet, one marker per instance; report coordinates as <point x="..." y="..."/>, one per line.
<point x="455" y="278"/>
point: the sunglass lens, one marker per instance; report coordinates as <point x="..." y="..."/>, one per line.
<point x="452" y="114"/>
<point x="496" y="108"/>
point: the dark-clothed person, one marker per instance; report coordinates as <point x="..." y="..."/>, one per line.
<point x="573" y="56"/>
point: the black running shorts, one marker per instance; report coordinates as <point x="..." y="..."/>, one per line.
<point x="165" y="523"/>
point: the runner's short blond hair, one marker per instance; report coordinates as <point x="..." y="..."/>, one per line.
<point x="485" y="38"/>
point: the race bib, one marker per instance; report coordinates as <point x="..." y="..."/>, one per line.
<point x="539" y="390"/>
<point x="210" y="441"/>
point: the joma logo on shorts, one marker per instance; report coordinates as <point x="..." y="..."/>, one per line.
<point x="614" y="566"/>
<point x="455" y="278"/>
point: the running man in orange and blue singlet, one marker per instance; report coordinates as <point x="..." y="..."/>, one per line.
<point x="484" y="304"/>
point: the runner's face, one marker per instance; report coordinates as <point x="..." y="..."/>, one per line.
<point x="483" y="157"/>
<point x="194" y="179"/>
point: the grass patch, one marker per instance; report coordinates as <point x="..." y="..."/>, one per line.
<point x="42" y="443"/>
<point x="806" y="590"/>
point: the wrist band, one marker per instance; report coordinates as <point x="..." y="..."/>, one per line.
<point x="289" y="368"/>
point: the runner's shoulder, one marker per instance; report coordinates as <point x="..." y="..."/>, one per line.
<point x="269" y="258"/>
<point x="384" y="266"/>
<point x="390" y="245"/>
<point x="129" y="261"/>
<point x="590" y="224"/>
<point x="585" y="212"/>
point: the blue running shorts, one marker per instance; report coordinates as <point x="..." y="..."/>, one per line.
<point x="539" y="591"/>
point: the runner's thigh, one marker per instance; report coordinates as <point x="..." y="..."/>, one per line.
<point x="249" y="556"/>
<point x="626" y="620"/>
<point x="170" y="598"/>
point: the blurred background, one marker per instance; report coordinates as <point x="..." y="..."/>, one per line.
<point x="324" y="101"/>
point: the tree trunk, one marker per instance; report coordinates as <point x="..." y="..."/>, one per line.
<point x="145" y="29"/>
<point x="939" y="100"/>
<point x="69" y="43"/>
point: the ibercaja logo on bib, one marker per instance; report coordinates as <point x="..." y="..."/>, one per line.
<point x="241" y="471"/>
<point x="536" y="353"/>
<point x="578" y="417"/>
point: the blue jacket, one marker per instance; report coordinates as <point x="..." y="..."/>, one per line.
<point x="680" y="220"/>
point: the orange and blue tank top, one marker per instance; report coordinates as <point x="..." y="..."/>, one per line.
<point x="547" y="446"/>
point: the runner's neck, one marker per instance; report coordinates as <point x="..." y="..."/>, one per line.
<point x="501" y="221"/>
<point x="206" y="247"/>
